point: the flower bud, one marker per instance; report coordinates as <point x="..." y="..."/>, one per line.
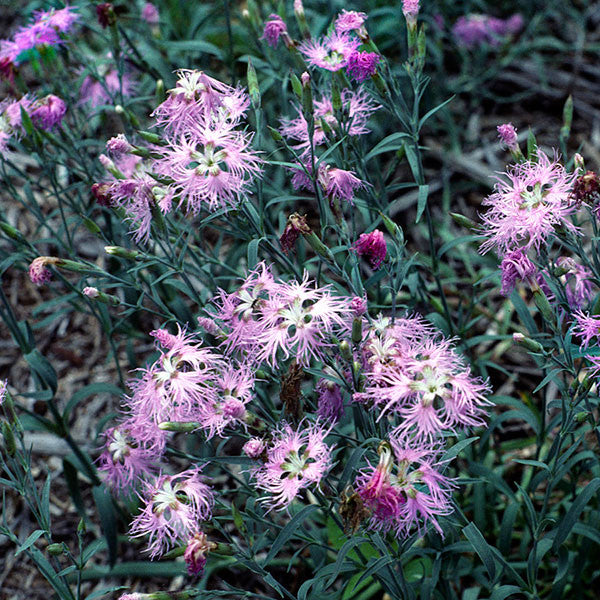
<point x="345" y="350"/>
<point x="55" y="549"/>
<point x="528" y="343"/>
<point x="123" y="252"/>
<point x="179" y="426"/>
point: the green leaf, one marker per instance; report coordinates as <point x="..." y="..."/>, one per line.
<point x="253" y="252"/>
<point x="422" y="201"/>
<point x="391" y="142"/>
<point x="288" y="531"/>
<point x="43" y="369"/>
<point x="566" y="525"/>
<point x="108" y="520"/>
<point x="481" y="547"/>
<point x="432" y="112"/>
<point x="31" y="539"/>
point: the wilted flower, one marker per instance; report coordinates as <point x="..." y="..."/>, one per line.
<point x="296" y="225"/>
<point x="362" y="65"/>
<point x="195" y="553"/>
<point x="275" y="27"/>
<point x="349" y="20"/>
<point x="507" y="134"/>
<point x="48" y="112"/>
<point x="515" y="266"/>
<point x="372" y="246"/>
<point x="38" y="271"/>
<point x="331" y="404"/>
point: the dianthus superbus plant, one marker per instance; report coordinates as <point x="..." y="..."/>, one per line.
<point x="315" y="382"/>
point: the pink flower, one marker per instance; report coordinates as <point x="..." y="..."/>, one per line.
<point x="196" y="100"/>
<point x="525" y="210"/>
<point x="410" y="8"/>
<point x="362" y="65"/>
<point x="515" y="266"/>
<point x="179" y="386"/>
<point x="135" y="195"/>
<point x="579" y="282"/>
<point x="211" y="169"/>
<point x="3" y="390"/>
<point x="339" y="184"/>
<point x="473" y="30"/>
<point x="150" y="14"/>
<point x="358" y="306"/>
<point x="173" y="507"/>
<point x="406" y="490"/>
<point x="48" y="112"/>
<point x="331" y="52"/>
<point x="508" y="135"/>
<point x="126" y="460"/>
<point x="254" y="447"/>
<point x="372" y="246"/>
<point x="413" y="372"/>
<point x="296" y="460"/>
<point x="586" y="327"/>
<point x="349" y="20"/>
<point x="118" y="145"/>
<point x="234" y="386"/>
<point x="266" y="320"/>
<point x="359" y="107"/>
<point x="274" y="29"/>
<point x="331" y="404"/>
<point x="106" y="88"/>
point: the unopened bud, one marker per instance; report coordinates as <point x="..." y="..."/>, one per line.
<point x="179" y="426"/>
<point x="95" y="294"/>
<point x="159" y="93"/>
<point x="9" y="439"/>
<point x="579" y="162"/>
<point x="275" y="134"/>
<point x="393" y="229"/>
<point x="318" y="246"/>
<point x="543" y="305"/>
<point x="55" y="549"/>
<point x="345" y="350"/>
<point x="528" y="343"/>
<point x="123" y="252"/>
<point x="151" y="138"/>
<point x="11" y="232"/>
<point x="464" y="221"/>
<point x="356" y="331"/>
<point x="253" y="88"/>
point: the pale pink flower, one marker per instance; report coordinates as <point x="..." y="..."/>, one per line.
<point x="372" y="246"/>
<point x="211" y="169"/>
<point x="173" y="508"/>
<point x="296" y="459"/>
<point x="410" y="8"/>
<point x="197" y="101"/>
<point x="3" y="390"/>
<point x="339" y="184"/>
<point x="586" y="327"/>
<point x="179" y="385"/>
<point x="579" y="285"/>
<point x="359" y="107"/>
<point x="126" y="460"/>
<point x="106" y="87"/>
<point x="234" y="386"/>
<point x="275" y="27"/>
<point x="412" y="372"/>
<point x="331" y="52"/>
<point x="474" y="30"/>
<point x="525" y="210"/>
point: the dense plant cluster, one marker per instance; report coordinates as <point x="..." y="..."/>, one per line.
<point x="314" y="376"/>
